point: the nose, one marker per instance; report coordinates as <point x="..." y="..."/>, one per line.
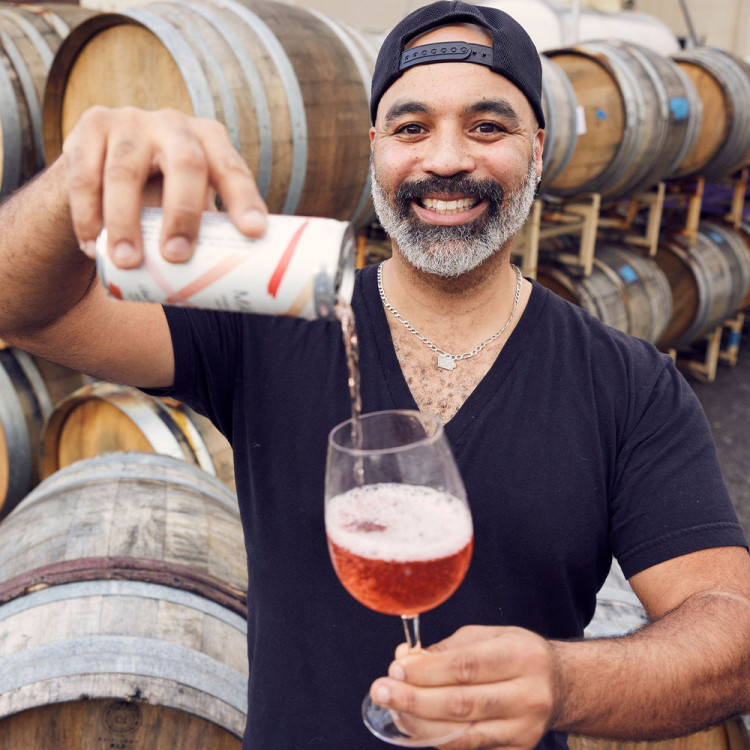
<point x="447" y="153"/>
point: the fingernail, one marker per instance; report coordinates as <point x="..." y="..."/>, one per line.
<point x="397" y="672"/>
<point x="382" y="695"/>
<point x="124" y="254"/>
<point x="177" y="249"/>
<point x="254" y="220"/>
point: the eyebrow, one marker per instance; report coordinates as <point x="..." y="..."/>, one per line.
<point x="409" y="107"/>
<point x="500" y="107"/>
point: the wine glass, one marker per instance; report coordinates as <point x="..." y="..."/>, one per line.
<point x="399" y="534"/>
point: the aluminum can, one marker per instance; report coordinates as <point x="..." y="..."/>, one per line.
<point x="302" y="267"/>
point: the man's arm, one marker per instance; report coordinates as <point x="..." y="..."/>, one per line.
<point x="688" y="669"/>
<point x="51" y="303"/>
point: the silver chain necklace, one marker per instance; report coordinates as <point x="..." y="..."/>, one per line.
<point x="444" y="360"/>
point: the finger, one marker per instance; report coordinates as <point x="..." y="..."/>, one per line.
<point x="497" y="735"/>
<point x="465" y="704"/>
<point x="474" y="656"/>
<point x="465" y="635"/>
<point x="180" y="155"/>
<point x="84" y="152"/>
<point x="233" y="180"/>
<point x="428" y="731"/>
<point x="529" y="703"/>
<point x="127" y="165"/>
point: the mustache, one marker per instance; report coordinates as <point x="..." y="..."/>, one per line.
<point x="485" y="189"/>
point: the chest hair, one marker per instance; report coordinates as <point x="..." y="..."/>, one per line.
<point x="437" y="391"/>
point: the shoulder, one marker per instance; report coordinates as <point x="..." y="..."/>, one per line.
<point x="590" y="342"/>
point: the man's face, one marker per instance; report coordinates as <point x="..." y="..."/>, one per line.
<point x="456" y="153"/>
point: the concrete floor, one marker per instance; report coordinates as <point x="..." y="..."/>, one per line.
<point x="726" y="402"/>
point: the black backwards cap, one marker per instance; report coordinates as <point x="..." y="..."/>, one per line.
<point x="512" y="55"/>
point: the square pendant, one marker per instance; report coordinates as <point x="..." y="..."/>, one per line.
<point x="446" y="362"/>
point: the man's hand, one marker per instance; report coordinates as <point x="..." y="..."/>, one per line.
<point x="113" y="156"/>
<point x="502" y="680"/>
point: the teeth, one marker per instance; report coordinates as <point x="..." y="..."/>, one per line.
<point x="448" y="207"/>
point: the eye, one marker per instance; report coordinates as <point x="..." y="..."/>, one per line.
<point x="410" y="129"/>
<point x="490" y="128"/>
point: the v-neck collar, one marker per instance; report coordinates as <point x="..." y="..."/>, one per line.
<point x="486" y="389"/>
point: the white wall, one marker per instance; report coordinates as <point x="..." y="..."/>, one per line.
<point x="721" y="23"/>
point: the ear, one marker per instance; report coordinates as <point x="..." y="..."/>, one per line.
<point x="372" y="138"/>
<point x="538" y="146"/>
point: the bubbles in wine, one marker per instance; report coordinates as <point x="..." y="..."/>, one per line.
<point x="398" y="522"/>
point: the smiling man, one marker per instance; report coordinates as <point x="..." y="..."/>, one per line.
<point x="452" y="143"/>
<point x="575" y="441"/>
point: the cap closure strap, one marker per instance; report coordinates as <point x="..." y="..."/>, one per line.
<point x="447" y="52"/>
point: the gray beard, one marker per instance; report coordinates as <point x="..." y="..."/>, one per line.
<point x="451" y="251"/>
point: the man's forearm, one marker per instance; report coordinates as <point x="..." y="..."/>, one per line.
<point x="681" y="673"/>
<point x="43" y="274"/>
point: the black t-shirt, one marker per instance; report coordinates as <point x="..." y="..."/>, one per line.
<point x="580" y="443"/>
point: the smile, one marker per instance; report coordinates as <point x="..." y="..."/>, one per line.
<point x="448" y="207"/>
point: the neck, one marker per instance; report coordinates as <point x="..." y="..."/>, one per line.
<point x="486" y="292"/>
<point x="455" y="313"/>
<point x="474" y="283"/>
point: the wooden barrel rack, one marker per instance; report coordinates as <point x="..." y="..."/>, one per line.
<point x="569" y="236"/>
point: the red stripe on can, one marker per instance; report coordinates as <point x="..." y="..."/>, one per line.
<point x="276" y="277"/>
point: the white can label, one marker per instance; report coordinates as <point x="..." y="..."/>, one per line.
<point x="300" y="267"/>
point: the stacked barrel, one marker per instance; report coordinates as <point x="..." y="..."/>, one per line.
<point x="123" y="609"/>
<point x="632" y="118"/>
<point x="122" y="567"/>
<point x="30" y="36"/>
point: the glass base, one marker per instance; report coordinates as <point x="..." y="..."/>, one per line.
<point x="382" y="722"/>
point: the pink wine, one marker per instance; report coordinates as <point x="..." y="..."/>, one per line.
<point x="399" y="549"/>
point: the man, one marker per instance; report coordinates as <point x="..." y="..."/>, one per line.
<point x="574" y="441"/>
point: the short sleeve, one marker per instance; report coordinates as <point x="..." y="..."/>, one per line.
<point x="669" y="497"/>
<point x="208" y="362"/>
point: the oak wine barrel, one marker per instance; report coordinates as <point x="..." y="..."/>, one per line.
<point x="722" y="82"/>
<point x="625" y="290"/>
<point x="745" y="235"/>
<point x="601" y="294"/>
<point x="729" y="735"/>
<point x="734" y="248"/>
<point x="291" y="86"/>
<point x="647" y="291"/>
<point x="93" y="724"/>
<point x="630" y="116"/>
<point x="29" y="389"/>
<point x="703" y="290"/>
<point x="123" y="606"/>
<point x="133" y="515"/>
<point x="680" y="112"/>
<point x="30" y="35"/>
<point x="102" y="417"/>
<point x="618" y="609"/>
<point x="559" y="105"/>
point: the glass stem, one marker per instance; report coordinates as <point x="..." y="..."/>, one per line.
<point x="411" y="630"/>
